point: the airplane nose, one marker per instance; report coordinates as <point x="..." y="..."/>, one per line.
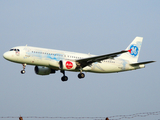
<point x="6" y="55"/>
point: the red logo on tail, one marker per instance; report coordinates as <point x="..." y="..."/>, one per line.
<point x="69" y="65"/>
<point x="130" y="50"/>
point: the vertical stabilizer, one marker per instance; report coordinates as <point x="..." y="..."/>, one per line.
<point x="134" y="50"/>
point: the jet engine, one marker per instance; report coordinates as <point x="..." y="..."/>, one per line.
<point x="67" y="65"/>
<point x="41" y="70"/>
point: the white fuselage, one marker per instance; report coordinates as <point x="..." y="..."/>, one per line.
<point x="50" y="58"/>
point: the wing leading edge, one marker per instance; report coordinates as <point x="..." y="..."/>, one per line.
<point x="88" y="61"/>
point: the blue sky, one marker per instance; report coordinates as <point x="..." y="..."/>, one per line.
<point x="86" y="26"/>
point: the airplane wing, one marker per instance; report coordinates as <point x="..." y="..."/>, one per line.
<point x="135" y="64"/>
<point x="88" y="61"/>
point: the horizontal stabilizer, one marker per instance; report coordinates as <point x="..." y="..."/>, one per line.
<point x="135" y="64"/>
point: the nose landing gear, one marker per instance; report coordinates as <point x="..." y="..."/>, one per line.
<point x="23" y="71"/>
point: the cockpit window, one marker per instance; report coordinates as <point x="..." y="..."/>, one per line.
<point x="14" y="50"/>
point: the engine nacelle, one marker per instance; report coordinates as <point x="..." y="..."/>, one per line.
<point x="67" y="65"/>
<point x="41" y="70"/>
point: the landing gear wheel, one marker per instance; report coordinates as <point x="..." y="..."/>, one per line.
<point x="64" y="78"/>
<point x="23" y="71"/>
<point x="81" y="75"/>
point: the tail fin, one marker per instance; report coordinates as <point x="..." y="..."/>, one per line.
<point x="134" y="50"/>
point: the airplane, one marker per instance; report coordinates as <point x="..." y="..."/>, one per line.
<point x="48" y="61"/>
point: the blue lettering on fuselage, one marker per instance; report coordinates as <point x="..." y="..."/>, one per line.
<point x="56" y="57"/>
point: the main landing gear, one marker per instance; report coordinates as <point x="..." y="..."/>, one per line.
<point x="81" y="75"/>
<point x="65" y="78"/>
<point x="23" y="71"/>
